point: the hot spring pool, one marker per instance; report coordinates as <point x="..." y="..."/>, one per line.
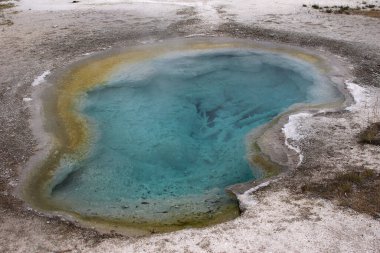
<point x="168" y="134"/>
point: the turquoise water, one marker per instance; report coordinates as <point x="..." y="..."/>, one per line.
<point x="170" y="133"/>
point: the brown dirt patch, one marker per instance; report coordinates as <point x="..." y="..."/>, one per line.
<point x="370" y="13"/>
<point x="371" y="135"/>
<point x="359" y="190"/>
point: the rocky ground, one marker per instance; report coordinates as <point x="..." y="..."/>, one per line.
<point x="294" y="213"/>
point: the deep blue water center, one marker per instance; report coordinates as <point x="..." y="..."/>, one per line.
<point x="170" y="133"/>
